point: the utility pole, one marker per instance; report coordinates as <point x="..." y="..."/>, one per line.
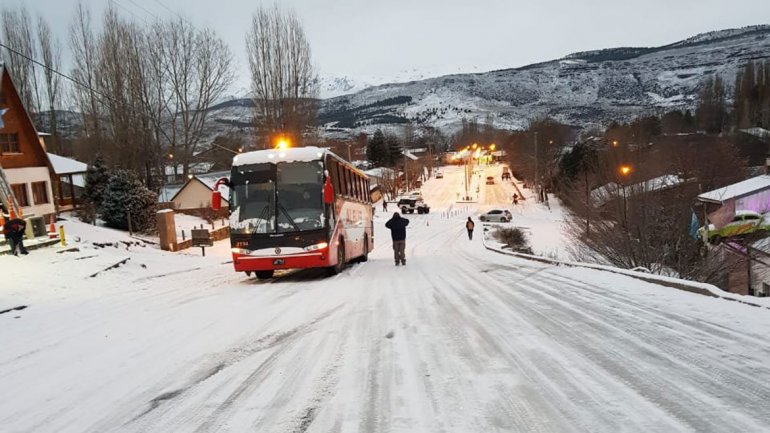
<point x="406" y="174"/>
<point x="537" y="171"/>
<point x="349" y="158"/>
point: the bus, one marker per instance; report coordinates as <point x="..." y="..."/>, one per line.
<point x="296" y="208"/>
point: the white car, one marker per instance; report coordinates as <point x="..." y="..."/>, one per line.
<point x="497" y="215"/>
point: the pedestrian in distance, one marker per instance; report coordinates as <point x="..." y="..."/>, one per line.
<point x="14" y="234"/>
<point x="397" y="226"/>
<point x="384" y="205"/>
<point x="470" y="225"/>
<point x="515" y="199"/>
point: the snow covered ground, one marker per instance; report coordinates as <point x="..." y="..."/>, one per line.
<point x="461" y="339"/>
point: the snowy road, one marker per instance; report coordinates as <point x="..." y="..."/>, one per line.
<point x="460" y="340"/>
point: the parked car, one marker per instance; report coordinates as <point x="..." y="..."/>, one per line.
<point x="490" y="180"/>
<point x="412" y="204"/>
<point x="496" y="215"/>
<point x="744" y="222"/>
<point x="439" y="175"/>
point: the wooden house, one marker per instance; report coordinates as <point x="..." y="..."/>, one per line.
<point x="23" y="156"/>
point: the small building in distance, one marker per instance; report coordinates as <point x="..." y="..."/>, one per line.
<point x="196" y="192"/>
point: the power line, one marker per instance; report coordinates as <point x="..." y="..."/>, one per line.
<point x="168" y="9"/>
<point x="63" y="75"/>
<point x="142" y="8"/>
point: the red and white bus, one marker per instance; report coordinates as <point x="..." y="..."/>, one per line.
<point x="296" y="208"/>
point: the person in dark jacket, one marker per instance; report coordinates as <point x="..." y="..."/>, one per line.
<point x="470" y="225"/>
<point x="397" y="226"/>
<point x="14" y="233"/>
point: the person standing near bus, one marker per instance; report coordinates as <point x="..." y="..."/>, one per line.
<point x="397" y="226"/>
<point x="470" y="225"/>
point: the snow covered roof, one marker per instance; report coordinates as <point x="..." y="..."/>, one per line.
<point x="737" y="190"/>
<point x="379" y="172"/>
<point x="606" y="193"/>
<point x="409" y="155"/>
<point x="757" y="132"/>
<point x="310" y="153"/>
<point x="64" y="165"/>
<point x="209" y="179"/>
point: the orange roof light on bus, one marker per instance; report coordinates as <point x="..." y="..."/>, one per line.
<point x="282" y="143"/>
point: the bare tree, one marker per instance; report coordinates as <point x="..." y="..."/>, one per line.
<point x="18" y="36"/>
<point x="83" y="46"/>
<point x="50" y="55"/>
<point x="283" y="78"/>
<point x="199" y="67"/>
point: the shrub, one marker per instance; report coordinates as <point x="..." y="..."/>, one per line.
<point x="125" y="194"/>
<point x="513" y="238"/>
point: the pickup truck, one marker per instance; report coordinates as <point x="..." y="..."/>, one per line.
<point x="412" y="204"/>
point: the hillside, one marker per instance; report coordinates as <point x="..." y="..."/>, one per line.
<point x="582" y="89"/>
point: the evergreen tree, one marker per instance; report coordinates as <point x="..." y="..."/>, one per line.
<point x="394" y="150"/>
<point x="377" y="150"/>
<point x="124" y="195"/>
<point x="97" y="177"/>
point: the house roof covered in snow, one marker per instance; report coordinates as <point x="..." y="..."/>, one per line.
<point x="757" y="132"/>
<point x="737" y="190"/>
<point x="208" y="180"/>
<point x="612" y="190"/>
<point x="63" y="165"/>
<point x="410" y="155"/>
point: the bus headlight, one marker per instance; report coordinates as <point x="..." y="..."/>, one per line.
<point x="240" y="251"/>
<point x="317" y="247"/>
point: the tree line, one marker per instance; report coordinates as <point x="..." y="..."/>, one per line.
<point x="143" y="90"/>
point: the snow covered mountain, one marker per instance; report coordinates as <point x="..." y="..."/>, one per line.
<point x="583" y="89"/>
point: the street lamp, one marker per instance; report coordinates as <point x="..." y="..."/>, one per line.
<point x="624" y="171"/>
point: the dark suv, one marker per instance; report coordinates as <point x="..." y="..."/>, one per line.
<point x="409" y="205"/>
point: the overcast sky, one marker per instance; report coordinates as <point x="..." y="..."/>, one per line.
<point x="386" y="37"/>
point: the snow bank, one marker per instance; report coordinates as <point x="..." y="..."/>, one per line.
<point x="676" y="283"/>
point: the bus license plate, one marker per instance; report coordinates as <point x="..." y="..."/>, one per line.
<point x="278" y="261"/>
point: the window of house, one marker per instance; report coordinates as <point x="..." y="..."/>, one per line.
<point x="9" y="143"/>
<point x="40" y="192"/>
<point x="20" y="192"/>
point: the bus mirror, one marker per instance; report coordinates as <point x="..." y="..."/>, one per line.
<point x="216" y="200"/>
<point x="328" y="192"/>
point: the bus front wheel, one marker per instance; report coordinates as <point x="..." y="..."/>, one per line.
<point x="264" y="275"/>
<point x="336" y="269"/>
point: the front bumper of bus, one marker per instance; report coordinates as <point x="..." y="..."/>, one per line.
<point x="244" y="262"/>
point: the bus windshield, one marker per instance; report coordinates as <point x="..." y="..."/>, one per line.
<point x="277" y="198"/>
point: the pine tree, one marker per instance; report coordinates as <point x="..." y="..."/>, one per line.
<point x="394" y="150"/>
<point x="124" y="195"/>
<point x="97" y="177"/>
<point x="377" y="150"/>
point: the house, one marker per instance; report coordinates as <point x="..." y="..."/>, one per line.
<point x="69" y="182"/>
<point x="196" y="192"/>
<point x="23" y="159"/>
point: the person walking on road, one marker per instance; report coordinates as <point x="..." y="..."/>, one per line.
<point x="384" y="205"/>
<point x="397" y="226"/>
<point x="14" y="233"/>
<point x="515" y="199"/>
<point x="470" y="225"/>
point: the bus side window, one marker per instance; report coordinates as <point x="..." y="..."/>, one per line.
<point x="358" y="186"/>
<point x="368" y="191"/>
<point x="349" y="183"/>
<point x="361" y="188"/>
<point x="334" y="175"/>
<point x="341" y="175"/>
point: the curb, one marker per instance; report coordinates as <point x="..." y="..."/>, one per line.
<point x="684" y="285"/>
